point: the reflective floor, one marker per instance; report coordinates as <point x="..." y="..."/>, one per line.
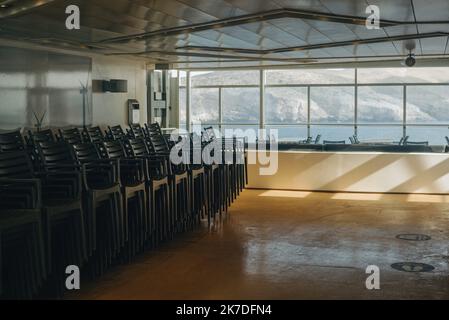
<point x="295" y="245"/>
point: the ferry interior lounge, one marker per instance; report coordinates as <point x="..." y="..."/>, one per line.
<point x="224" y="150"/>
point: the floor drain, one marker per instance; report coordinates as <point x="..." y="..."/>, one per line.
<point x="412" y="267"/>
<point x="413" y="237"/>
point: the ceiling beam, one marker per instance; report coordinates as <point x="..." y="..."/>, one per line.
<point x="260" y="17"/>
<point x="236" y="58"/>
<point x="317" y="46"/>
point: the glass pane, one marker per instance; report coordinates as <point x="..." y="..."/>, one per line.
<point x="182" y="78"/>
<point x="434" y="135"/>
<point x="380" y="133"/>
<point x="403" y="75"/>
<point x="428" y="104"/>
<point x="296" y="134"/>
<point x="249" y="132"/>
<point x="182" y="106"/>
<point x="380" y="104"/>
<point x="285" y="105"/>
<point x="241" y="105"/>
<point x="204" y="105"/>
<point x="333" y="133"/>
<point x="332" y="104"/>
<point x="219" y="78"/>
<point x="310" y="76"/>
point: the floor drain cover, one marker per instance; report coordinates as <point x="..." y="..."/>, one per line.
<point x="414" y="237"/>
<point x="412" y="267"/>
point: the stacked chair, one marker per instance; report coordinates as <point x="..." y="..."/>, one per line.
<point x="57" y="195"/>
<point x="178" y="180"/>
<point x="95" y="198"/>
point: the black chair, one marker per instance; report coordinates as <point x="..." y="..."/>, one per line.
<point x="351" y="139"/>
<point x="12" y="141"/>
<point x="222" y="175"/>
<point x="405" y="141"/>
<point x="103" y="200"/>
<point x="62" y="215"/>
<point x="116" y="133"/>
<point x="198" y="182"/>
<point x="22" y="253"/>
<point x="307" y="141"/>
<point x="334" y="142"/>
<point x="71" y="136"/>
<point x="135" y="131"/>
<point x="178" y="177"/>
<point x="93" y="134"/>
<point x="132" y="178"/>
<point x="33" y="140"/>
<point x="417" y="143"/>
<point x="36" y="137"/>
<point x="161" y="213"/>
<point x="317" y="139"/>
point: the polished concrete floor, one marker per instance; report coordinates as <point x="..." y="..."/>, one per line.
<point x="295" y="245"/>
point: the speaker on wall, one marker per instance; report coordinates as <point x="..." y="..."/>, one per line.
<point x="116" y="85"/>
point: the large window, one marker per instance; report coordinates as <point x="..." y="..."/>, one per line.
<point x="310" y="76"/>
<point x="240" y="105"/>
<point x="377" y="104"/>
<point x="332" y="105"/>
<point x="205" y="102"/>
<point x="286" y="105"/>
<point x="380" y="104"/>
<point x="428" y="104"/>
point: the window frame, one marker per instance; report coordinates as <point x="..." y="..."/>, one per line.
<point x="309" y="124"/>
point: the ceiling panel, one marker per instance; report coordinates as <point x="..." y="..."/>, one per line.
<point x="172" y="25"/>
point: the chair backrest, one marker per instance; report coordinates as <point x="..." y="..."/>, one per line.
<point x="12" y="141"/>
<point x="352" y="140"/>
<point x="56" y="154"/>
<point x="116" y="132"/>
<point x="318" y="138"/>
<point x="334" y="142"/>
<point x="356" y="139"/>
<point x="94" y="134"/>
<point x="447" y="139"/>
<point x="404" y="142"/>
<point x="15" y="164"/>
<point x="158" y="142"/>
<point x="86" y="152"/>
<point x="40" y="136"/>
<point x="136" y="131"/>
<point x="418" y="143"/>
<point x="137" y="147"/>
<point x="71" y="136"/>
<point x="114" y="149"/>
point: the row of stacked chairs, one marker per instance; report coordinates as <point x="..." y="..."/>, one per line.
<point x="95" y="198"/>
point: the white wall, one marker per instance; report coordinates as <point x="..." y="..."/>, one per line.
<point x="111" y="108"/>
<point x="356" y="172"/>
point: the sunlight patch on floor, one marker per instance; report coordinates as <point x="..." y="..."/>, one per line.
<point x="429" y="198"/>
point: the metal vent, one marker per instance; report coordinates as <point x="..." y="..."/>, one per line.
<point x="414" y="237"/>
<point x="412" y="267"/>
